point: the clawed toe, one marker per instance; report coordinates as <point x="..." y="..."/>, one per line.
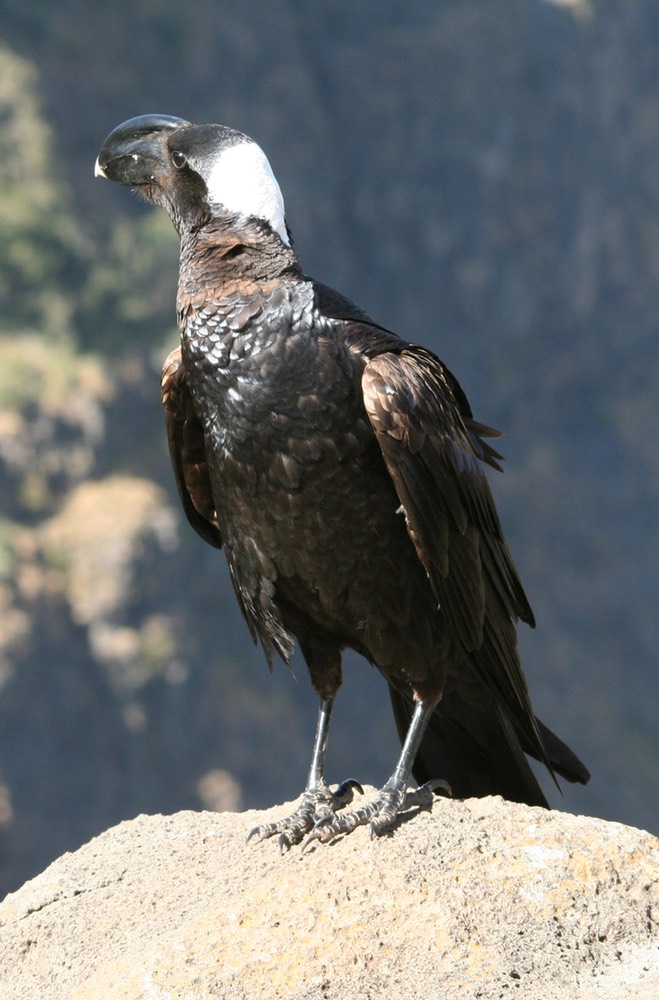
<point x="379" y="815"/>
<point x="344" y="793"/>
<point x="318" y="806"/>
<point x="318" y="817"/>
<point x="423" y="795"/>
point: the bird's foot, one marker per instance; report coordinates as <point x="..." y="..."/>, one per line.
<point x="319" y="804"/>
<point x="380" y="814"/>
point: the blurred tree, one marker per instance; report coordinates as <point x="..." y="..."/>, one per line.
<point x="41" y="251"/>
<point x="127" y="302"/>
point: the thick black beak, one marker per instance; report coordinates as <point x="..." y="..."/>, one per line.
<point x="131" y="153"/>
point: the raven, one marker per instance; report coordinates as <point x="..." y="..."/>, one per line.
<point x="341" y="469"/>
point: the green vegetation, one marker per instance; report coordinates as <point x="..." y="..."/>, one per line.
<point x="42" y="250"/>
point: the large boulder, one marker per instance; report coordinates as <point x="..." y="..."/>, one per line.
<point x="477" y="899"/>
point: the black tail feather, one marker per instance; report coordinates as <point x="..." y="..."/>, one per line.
<point x="563" y="760"/>
<point x="482" y="754"/>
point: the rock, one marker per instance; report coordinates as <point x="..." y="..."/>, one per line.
<point x="478" y="899"/>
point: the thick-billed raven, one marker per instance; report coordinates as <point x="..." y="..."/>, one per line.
<point x="341" y="469"/>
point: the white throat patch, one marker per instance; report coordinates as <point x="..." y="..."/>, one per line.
<point x="241" y="180"/>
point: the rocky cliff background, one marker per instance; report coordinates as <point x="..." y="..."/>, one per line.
<point x="482" y="176"/>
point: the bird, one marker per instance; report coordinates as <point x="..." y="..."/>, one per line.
<point x="342" y="471"/>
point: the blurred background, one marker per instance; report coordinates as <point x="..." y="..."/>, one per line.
<point x="483" y="177"/>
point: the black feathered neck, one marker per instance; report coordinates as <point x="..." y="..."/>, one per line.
<point x="223" y="252"/>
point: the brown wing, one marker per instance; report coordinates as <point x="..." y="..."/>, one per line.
<point x="434" y="452"/>
<point x="187" y="450"/>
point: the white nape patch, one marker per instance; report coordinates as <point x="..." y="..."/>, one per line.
<point x="241" y="180"/>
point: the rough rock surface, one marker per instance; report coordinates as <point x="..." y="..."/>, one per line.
<point x="478" y="899"/>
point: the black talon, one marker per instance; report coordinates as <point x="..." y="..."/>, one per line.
<point x="348" y="784"/>
<point x="283" y="844"/>
<point x="424" y="795"/>
<point x="310" y="839"/>
<point x="343" y="795"/>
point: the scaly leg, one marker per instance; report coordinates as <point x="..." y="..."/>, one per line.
<point x="318" y="802"/>
<point x="394" y="797"/>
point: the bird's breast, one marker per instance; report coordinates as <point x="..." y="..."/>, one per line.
<point x="296" y="472"/>
<point x="279" y="395"/>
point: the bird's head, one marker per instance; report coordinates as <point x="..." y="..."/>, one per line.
<point x="194" y="172"/>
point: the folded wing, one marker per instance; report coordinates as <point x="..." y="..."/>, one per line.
<point x="187" y="450"/>
<point x="435" y="451"/>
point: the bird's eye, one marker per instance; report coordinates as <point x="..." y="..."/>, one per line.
<point x="178" y="159"/>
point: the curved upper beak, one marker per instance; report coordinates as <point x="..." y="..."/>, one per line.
<point x="133" y="150"/>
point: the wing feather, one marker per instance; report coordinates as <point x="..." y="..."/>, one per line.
<point x="435" y="455"/>
<point x="187" y="450"/>
<point x="434" y="452"/>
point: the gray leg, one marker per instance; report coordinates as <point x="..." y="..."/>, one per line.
<point x="318" y="802"/>
<point x="317" y="769"/>
<point x="394" y="797"/>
